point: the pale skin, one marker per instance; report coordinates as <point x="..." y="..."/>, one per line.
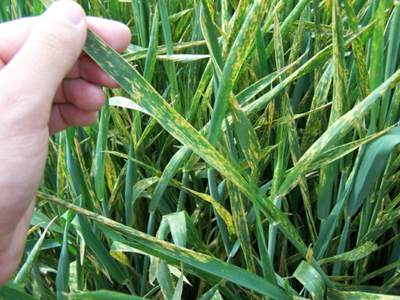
<point x="47" y="84"/>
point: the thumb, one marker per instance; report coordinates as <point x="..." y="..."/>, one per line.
<point x="31" y="79"/>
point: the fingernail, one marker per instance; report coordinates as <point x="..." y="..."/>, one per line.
<point x="68" y="10"/>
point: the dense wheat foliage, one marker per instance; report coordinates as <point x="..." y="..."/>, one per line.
<point x="252" y="152"/>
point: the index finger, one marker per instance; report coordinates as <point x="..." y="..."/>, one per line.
<point x="13" y="34"/>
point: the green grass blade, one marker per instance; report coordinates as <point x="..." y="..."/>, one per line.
<point x="13" y="291"/>
<point x="38" y="8"/>
<point x="361" y="182"/>
<point x="340" y="151"/>
<point x="166" y="177"/>
<point x="382" y="226"/>
<point x="185" y="133"/>
<point x="235" y="24"/>
<point x="152" y="102"/>
<point x="182" y="58"/>
<point x="89" y="193"/>
<point x="312" y="129"/>
<point x="338" y="130"/>
<point x="165" y="280"/>
<point x="103" y="295"/>
<point x="221" y="225"/>
<point x="99" y="164"/>
<point x="170" y="251"/>
<point x="242" y="230"/>
<point x="247" y="137"/>
<point x="210" y="294"/>
<point x="137" y="189"/>
<point x="118" y="187"/>
<point x="140" y="20"/>
<point x="358" y="253"/>
<point x="114" y="10"/>
<point x="335" y="294"/>
<point x="390" y="63"/>
<point x="233" y="64"/>
<point x="268" y="268"/>
<point x="210" y="35"/>
<point x="376" y="66"/>
<point x="110" y="268"/>
<point x="311" y="280"/>
<point x="340" y="105"/>
<point x="178" y="230"/>
<point x="373" y="162"/>
<point x="127" y="103"/>
<point x="281" y="154"/>
<point x="171" y="70"/>
<point x="221" y="210"/>
<point x="40" y="218"/>
<point x="140" y="52"/>
<point x="47" y="244"/>
<point x="340" y="99"/>
<point x="62" y="278"/>
<point x="23" y="274"/>
<point x="390" y="284"/>
<point x="262" y="57"/>
<point x="394" y="108"/>
<point x="152" y="50"/>
<point x="315" y="62"/>
<point x="212" y="209"/>
<point x="362" y="71"/>
<point x="4" y="12"/>
<point x="295" y="13"/>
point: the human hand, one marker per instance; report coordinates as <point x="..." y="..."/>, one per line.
<point x="47" y="84"/>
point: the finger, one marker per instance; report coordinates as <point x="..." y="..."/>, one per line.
<point x="65" y="115"/>
<point x="87" y="69"/>
<point x="34" y="74"/>
<point x="80" y="93"/>
<point x="117" y="35"/>
<point x="14" y="34"/>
